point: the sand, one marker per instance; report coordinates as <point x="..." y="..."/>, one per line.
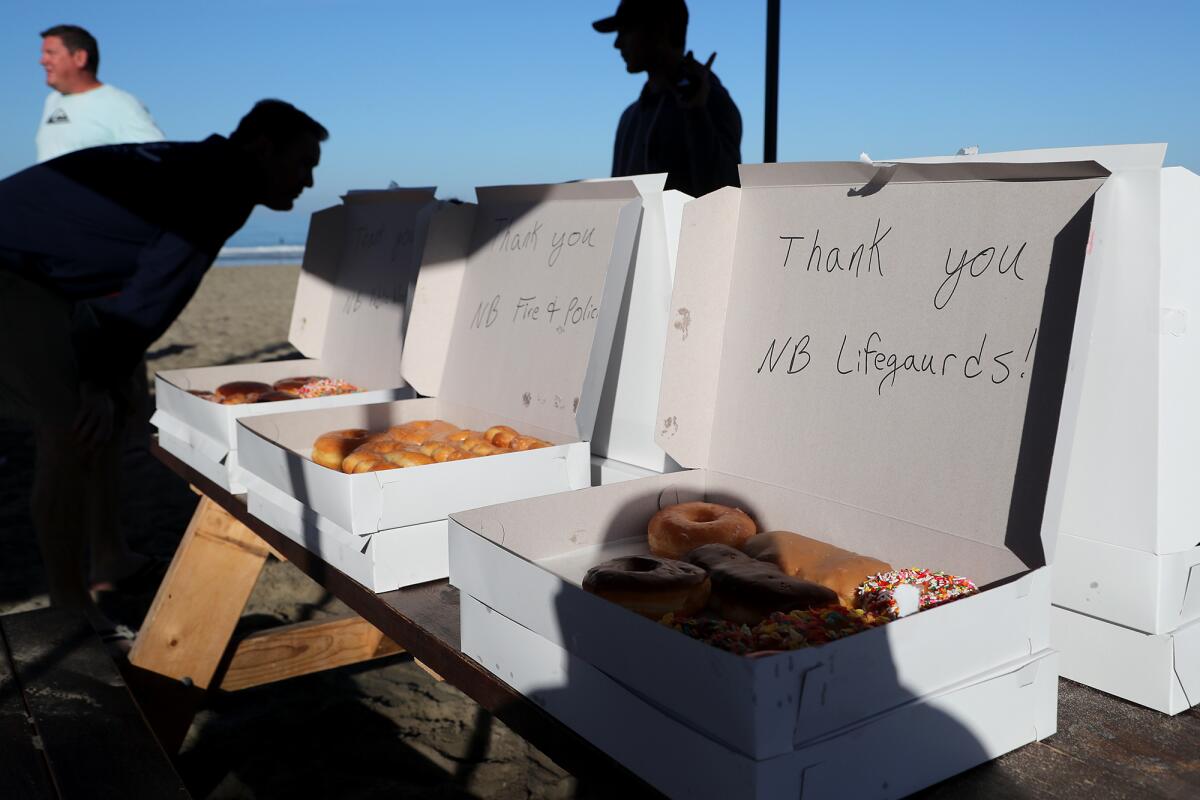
<point x="384" y="729"/>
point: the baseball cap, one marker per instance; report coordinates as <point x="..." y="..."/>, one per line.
<point x="632" y="13"/>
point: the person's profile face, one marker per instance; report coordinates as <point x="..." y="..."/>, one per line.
<point x="288" y="171"/>
<point x="61" y="65"/>
<point x="637" y="46"/>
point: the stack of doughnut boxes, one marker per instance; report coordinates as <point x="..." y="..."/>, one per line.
<point x="1127" y="571"/>
<point x="875" y="356"/>
<point x="1126" y="616"/>
<point x="360" y="266"/>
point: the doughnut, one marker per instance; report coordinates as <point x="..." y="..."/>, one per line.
<point x="901" y="592"/>
<point x="408" y="444"/>
<point x="810" y="628"/>
<point x="421" y="431"/>
<point x="331" y="448"/>
<point x="779" y="631"/>
<point x="408" y="458"/>
<point x="292" y="385"/>
<point x="369" y="462"/>
<point x="650" y="586"/>
<point x="326" y="386"/>
<point x="814" y="560"/>
<point x="237" y="392"/>
<point x="730" y="636"/>
<point x="274" y="396"/>
<point x="500" y="435"/>
<point x="527" y="443"/>
<point x="745" y="590"/>
<point x="365" y="452"/>
<point x="676" y="530"/>
<point x="209" y="396"/>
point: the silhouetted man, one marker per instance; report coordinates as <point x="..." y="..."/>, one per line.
<point x="100" y="250"/>
<point x="684" y="123"/>
<point x="82" y="112"/>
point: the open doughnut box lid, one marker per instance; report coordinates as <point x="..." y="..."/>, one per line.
<point x="874" y="355"/>
<point x="518" y="299"/>
<point x="348" y="317"/>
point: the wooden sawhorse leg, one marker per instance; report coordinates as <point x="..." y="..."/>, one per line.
<point x="187" y="633"/>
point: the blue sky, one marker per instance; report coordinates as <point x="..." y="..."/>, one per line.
<point x="459" y="94"/>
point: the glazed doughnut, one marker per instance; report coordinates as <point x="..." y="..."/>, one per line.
<point x="901" y="592"/>
<point x="500" y="435"/>
<point x="366" y="452"/>
<point x="237" y="392"/>
<point x="814" y="560"/>
<point x="367" y="462"/>
<point x="408" y="458"/>
<point x="463" y="434"/>
<point x="676" y="530"/>
<point x="527" y="443"/>
<point x="746" y="591"/>
<point x="330" y="449"/>
<point x="292" y="385"/>
<point x="649" y="586"/>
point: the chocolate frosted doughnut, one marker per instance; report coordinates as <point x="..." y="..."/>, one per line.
<point x="746" y="591"/>
<point x="650" y="586"/>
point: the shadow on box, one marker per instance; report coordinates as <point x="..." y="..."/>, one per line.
<point x="679" y="760"/>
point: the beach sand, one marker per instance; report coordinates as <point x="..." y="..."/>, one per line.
<point x="383" y="729"/>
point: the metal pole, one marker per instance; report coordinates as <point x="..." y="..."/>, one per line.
<point x="771" y="121"/>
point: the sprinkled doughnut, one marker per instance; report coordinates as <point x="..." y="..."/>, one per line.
<point x="902" y="592"/>
<point x="325" y="387"/>
<point x="797" y="629"/>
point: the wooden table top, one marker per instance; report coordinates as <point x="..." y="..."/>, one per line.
<point x="1105" y="747"/>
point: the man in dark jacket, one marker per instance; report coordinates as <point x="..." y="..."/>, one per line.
<point x="684" y="123"/>
<point x="100" y="250"/>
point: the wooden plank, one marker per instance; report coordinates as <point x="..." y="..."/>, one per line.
<point x="424" y="620"/>
<point x="23" y="769"/>
<point x="95" y="739"/>
<point x="188" y="627"/>
<point x="428" y="671"/>
<point x="304" y="648"/>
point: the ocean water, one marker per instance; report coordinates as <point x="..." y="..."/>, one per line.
<point x="260" y="254"/>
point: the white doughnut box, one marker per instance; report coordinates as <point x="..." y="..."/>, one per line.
<point x="768" y="395"/>
<point x="922" y="741"/>
<point x="357" y="280"/>
<point x="1127" y="568"/>
<point x="512" y="323"/>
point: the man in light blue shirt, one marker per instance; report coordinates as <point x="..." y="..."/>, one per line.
<point x="82" y="112"/>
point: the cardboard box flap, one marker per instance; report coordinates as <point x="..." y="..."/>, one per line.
<point x="439" y="281"/>
<point x="902" y="350"/>
<point x="318" y="274"/>
<point x="538" y="302"/>
<point x="688" y="394"/>
<point x="859" y="174"/>
<point x="1114" y="158"/>
<point x="357" y="279"/>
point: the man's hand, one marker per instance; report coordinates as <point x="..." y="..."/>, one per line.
<point x="94" y="422"/>
<point x="695" y="80"/>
